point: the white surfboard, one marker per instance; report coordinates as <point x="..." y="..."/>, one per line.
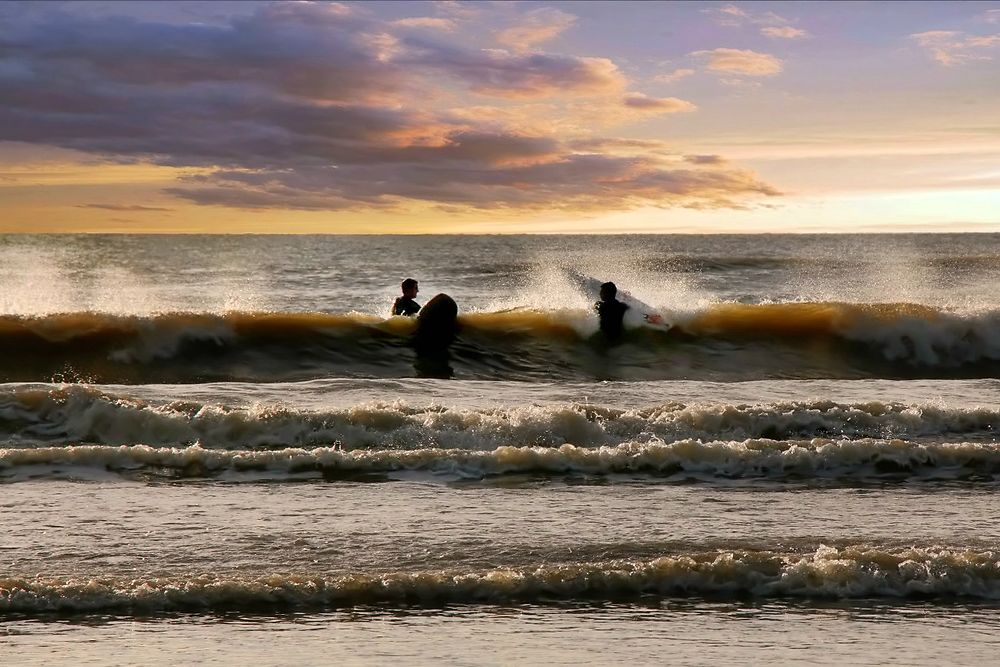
<point x="639" y="314"/>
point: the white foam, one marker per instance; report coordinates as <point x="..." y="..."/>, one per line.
<point x="547" y="286"/>
<point x="948" y="339"/>
<point x="759" y="458"/>
<point x="840" y="573"/>
<point x="82" y="414"/>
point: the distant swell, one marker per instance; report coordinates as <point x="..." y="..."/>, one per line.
<point x="88" y="415"/>
<point x="720" y="342"/>
<point x="838" y="573"/>
<point x="844" y="460"/>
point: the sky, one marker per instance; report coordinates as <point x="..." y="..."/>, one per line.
<point x="499" y="117"/>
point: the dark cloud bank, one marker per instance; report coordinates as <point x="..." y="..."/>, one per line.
<point x="317" y="106"/>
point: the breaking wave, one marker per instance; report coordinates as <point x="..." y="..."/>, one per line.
<point x="88" y="415"/>
<point x="723" y="341"/>
<point x="829" y="572"/>
<point x="845" y="460"/>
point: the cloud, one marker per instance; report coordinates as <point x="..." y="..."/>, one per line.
<point x="784" y="32"/>
<point x="502" y="74"/>
<point x="536" y="27"/>
<point x="124" y="207"/>
<point x="321" y="107"/>
<point x="705" y="159"/>
<point x="733" y="16"/>
<point x="984" y="41"/>
<point x="459" y="10"/>
<point x="580" y="181"/>
<point x="621" y="145"/>
<point x="935" y="36"/>
<point x="727" y="15"/>
<point x="676" y="75"/>
<point x="950" y="47"/>
<point x="741" y="61"/>
<point x="991" y="16"/>
<point x="739" y="82"/>
<point x="316" y="51"/>
<point x="304" y="49"/>
<point x="428" y="22"/>
<point x="657" y="104"/>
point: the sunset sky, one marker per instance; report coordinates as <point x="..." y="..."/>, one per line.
<point x="486" y="117"/>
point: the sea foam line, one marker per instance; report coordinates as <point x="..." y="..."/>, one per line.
<point x="743" y="459"/>
<point x="83" y="414"/>
<point x="846" y="572"/>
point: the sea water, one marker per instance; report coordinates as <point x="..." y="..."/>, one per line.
<point x="220" y="449"/>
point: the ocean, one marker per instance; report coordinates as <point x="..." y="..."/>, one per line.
<point x="221" y="449"/>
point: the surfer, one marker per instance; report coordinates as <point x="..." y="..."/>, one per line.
<point x="611" y="311"/>
<point x="405" y="305"/>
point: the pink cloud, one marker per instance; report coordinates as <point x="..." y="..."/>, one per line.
<point x="428" y="22"/>
<point x="535" y="27"/>
<point x="741" y="61"/>
<point x="676" y="75"/>
<point x="784" y="32"/>
<point x="727" y="15"/>
<point x="658" y="104"/>
<point x="950" y="47"/>
<point x="734" y="16"/>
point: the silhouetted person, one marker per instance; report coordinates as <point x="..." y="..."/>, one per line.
<point x="405" y="305"/>
<point x="611" y="312"/>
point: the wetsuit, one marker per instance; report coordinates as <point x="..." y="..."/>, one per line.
<point x="611" y="314"/>
<point x="405" y="306"/>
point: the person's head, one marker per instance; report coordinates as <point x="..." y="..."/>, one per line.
<point x="608" y="291"/>
<point x="409" y="288"/>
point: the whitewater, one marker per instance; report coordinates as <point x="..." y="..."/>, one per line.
<point x="221" y="449"/>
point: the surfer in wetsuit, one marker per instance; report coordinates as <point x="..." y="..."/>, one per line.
<point x="610" y="311"/>
<point x="405" y="305"/>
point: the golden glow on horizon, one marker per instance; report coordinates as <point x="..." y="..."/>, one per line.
<point x="90" y="174"/>
<point x="851" y="191"/>
<point x="875" y="136"/>
<point x="968" y="210"/>
<point x="900" y="184"/>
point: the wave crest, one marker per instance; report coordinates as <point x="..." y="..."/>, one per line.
<point x="840" y="573"/>
<point x="84" y="414"/>
<point x="850" y="460"/>
<point x="721" y="341"/>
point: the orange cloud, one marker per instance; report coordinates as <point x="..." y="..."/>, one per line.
<point x="950" y="47"/>
<point x="575" y="181"/>
<point x="676" y="75"/>
<point x="643" y="102"/>
<point x="501" y="74"/>
<point x="132" y="208"/>
<point x="705" y="159"/>
<point x="784" y="32"/>
<point x="727" y="15"/>
<point x="536" y="27"/>
<point x="741" y="61"/>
